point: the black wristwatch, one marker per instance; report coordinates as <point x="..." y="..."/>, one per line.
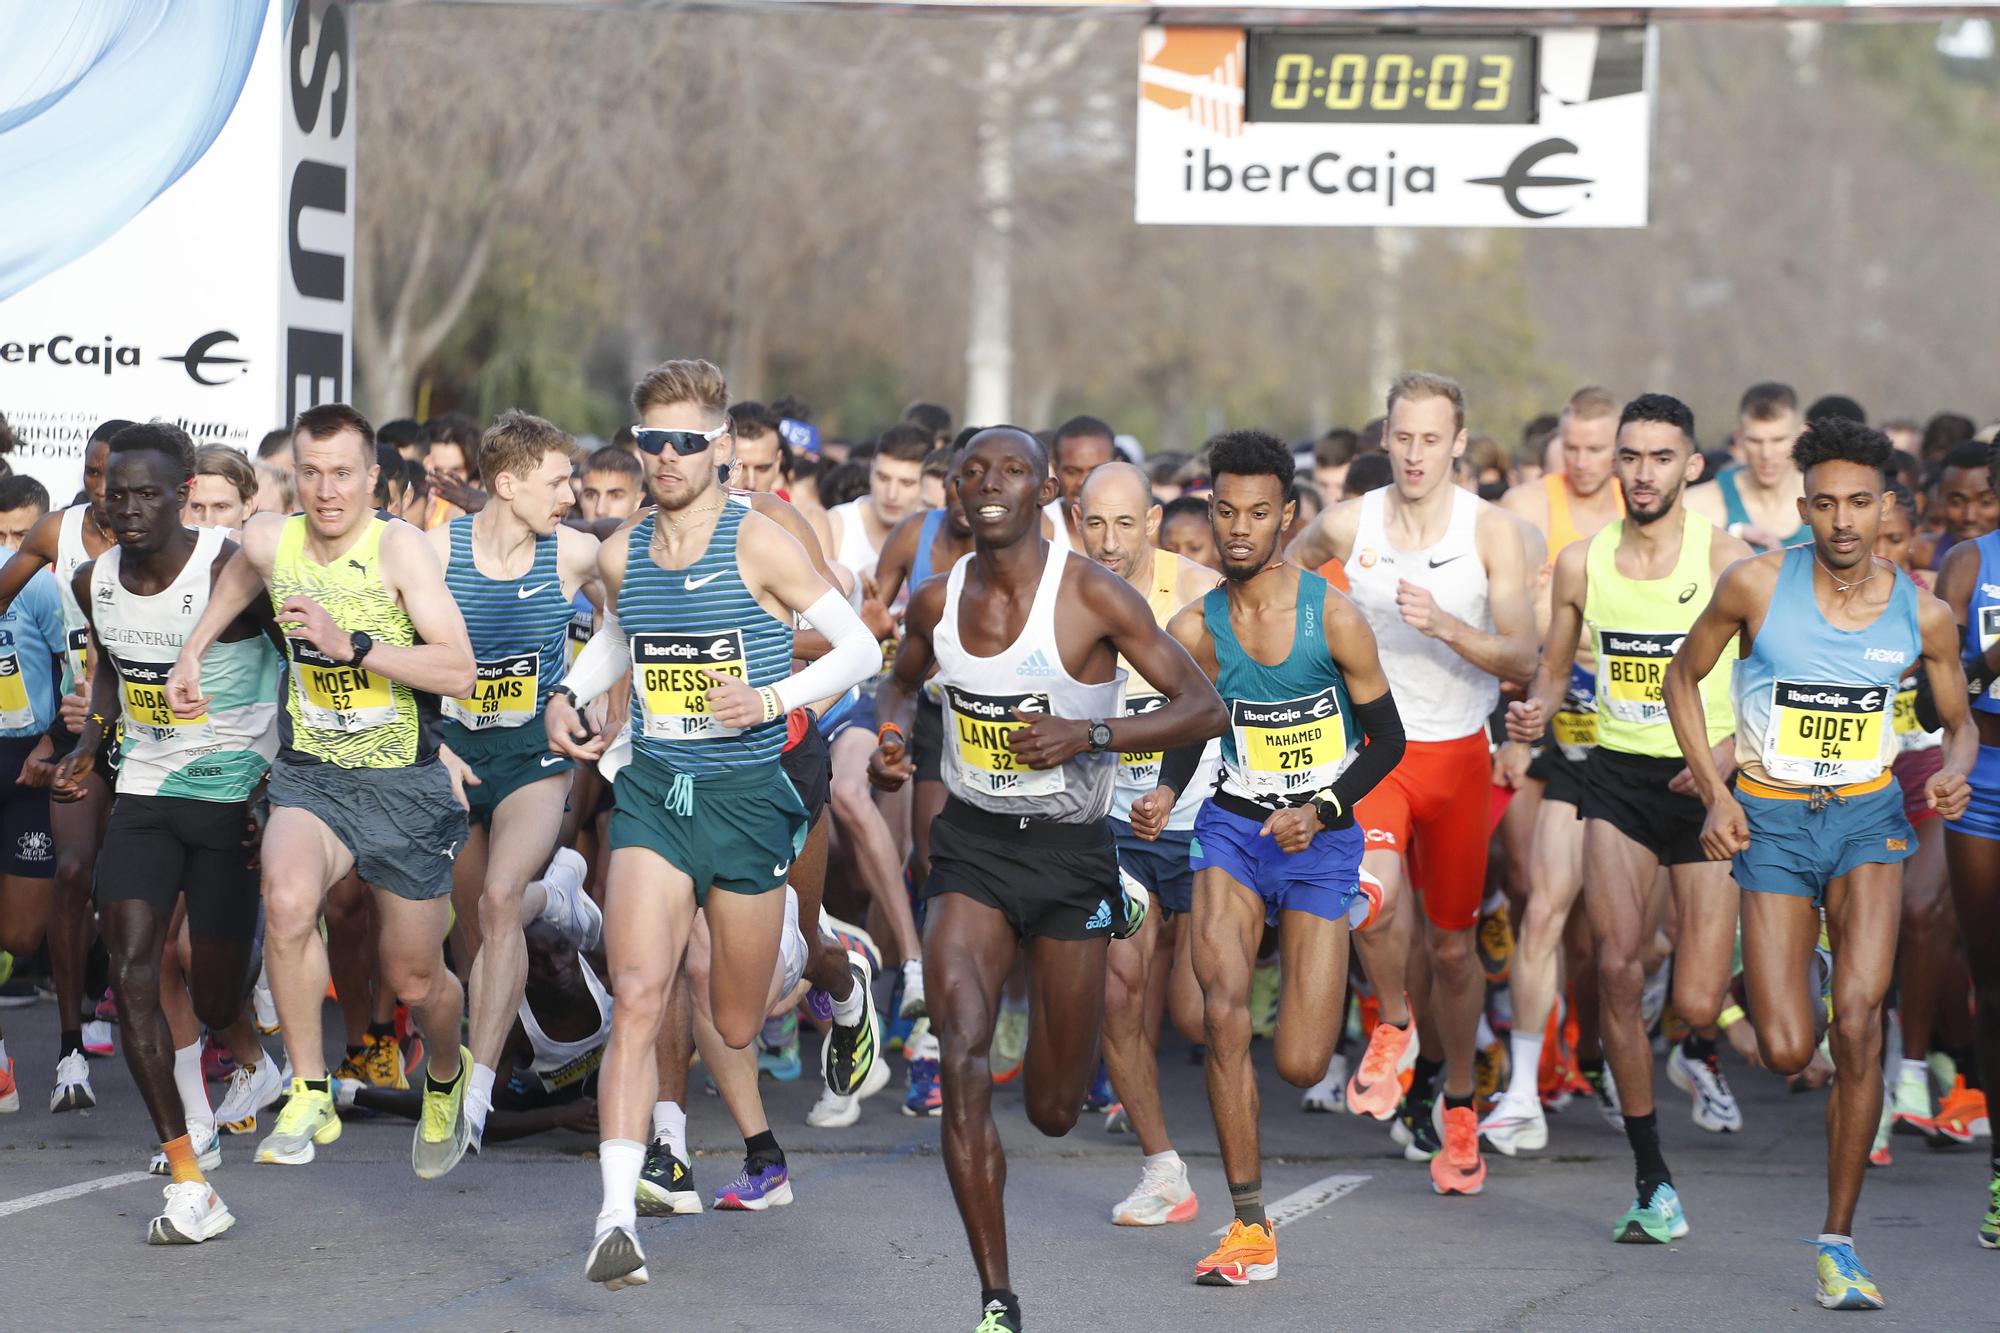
<point x="362" y="644"/>
<point x="1100" y="736"/>
<point x="1327" y="806"/>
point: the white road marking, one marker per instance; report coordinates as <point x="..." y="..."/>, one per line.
<point x="1300" y="1203"/>
<point x="12" y="1206"/>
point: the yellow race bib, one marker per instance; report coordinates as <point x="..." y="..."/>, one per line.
<point x="79" y="649"/>
<point x="1827" y="735"/>
<point x="1291" y="747"/>
<point x="143" y="686"/>
<point x="669" y="681"/>
<point x="505" y="696"/>
<point x="980" y="726"/>
<point x="15" y="709"/>
<point x="1632" y="673"/>
<point x="334" y="696"/>
<point x="577" y="635"/>
<point x="1141" y="770"/>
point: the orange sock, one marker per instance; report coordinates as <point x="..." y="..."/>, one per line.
<point x="180" y="1160"/>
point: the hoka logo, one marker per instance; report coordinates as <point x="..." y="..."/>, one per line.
<point x="1036" y="665"/>
<point x="1101" y="918"/>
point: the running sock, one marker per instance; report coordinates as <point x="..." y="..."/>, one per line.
<point x="670" y="1122"/>
<point x="1591" y="1067"/>
<point x="378" y="1031"/>
<point x="71" y="1044"/>
<point x="1452" y="1103"/>
<point x="1643" y="1133"/>
<point x="1524" y="1083"/>
<point x="762" y="1150"/>
<point x="850" y="1011"/>
<point x="1167" y="1158"/>
<point x="3" y="1052"/>
<point x="193" y="1088"/>
<point x="1829" y="1238"/>
<point x="1248" y="1200"/>
<point x="1916" y="1069"/>
<point x="1696" y="1047"/>
<point x="1423" y="1080"/>
<point x="181" y="1160"/>
<point x="618" y="1165"/>
<point x="1002" y="1297"/>
<point x="324" y="1085"/>
<point x="479" y="1097"/>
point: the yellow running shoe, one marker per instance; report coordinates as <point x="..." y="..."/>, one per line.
<point x="1247" y="1254"/>
<point x="1495" y="944"/>
<point x="308" y="1117"/>
<point x="1843" y="1283"/>
<point x="443" y="1131"/>
<point x="381" y="1062"/>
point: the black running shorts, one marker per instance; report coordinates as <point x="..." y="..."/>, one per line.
<point x="159" y="847"/>
<point x="1629" y="792"/>
<point x="1056" y="881"/>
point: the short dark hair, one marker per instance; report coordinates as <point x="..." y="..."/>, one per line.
<point x="905" y="442"/>
<point x="106" y="429"/>
<point x="1337" y="446"/>
<point x="1767" y="401"/>
<point x="1838" y="440"/>
<point x="1906" y="498"/>
<point x="931" y="416"/>
<point x="1252" y="453"/>
<point x="613" y="459"/>
<point x="1663" y="408"/>
<point x="838" y="485"/>
<point x="416" y="477"/>
<point x="1080" y="428"/>
<point x="1944" y="430"/>
<point x="19" y="490"/>
<point x="1967" y="454"/>
<point x="1368" y="472"/>
<point x="752" y="418"/>
<point x="937" y="463"/>
<point x="327" y="420"/>
<point x="273" y="441"/>
<point x="454" y="428"/>
<point x="1162" y="468"/>
<point x="1184" y="506"/>
<point x="1835" y="405"/>
<point x="1369" y="438"/>
<point x="7" y="440"/>
<point x="402" y="431"/>
<point x="158" y="437"/>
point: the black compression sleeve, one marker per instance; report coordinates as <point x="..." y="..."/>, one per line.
<point x="1927" y="713"/>
<point x="1382" y="727"/>
<point x="1177" y="766"/>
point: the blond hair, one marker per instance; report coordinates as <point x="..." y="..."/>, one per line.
<point x="517" y="442"/>
<point x="288" y="496"/>
<point x="1591" y="402"/>
<point x="220" y="460"/>
<point x="1418" y="384"/>
<point x="697" y="382"/>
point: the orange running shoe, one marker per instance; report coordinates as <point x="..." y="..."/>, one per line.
<point x="1247" y="1254"/>
<point x="1371" y="1012"/>
<point x="1459" y="1169"/>
<point x="1960" y="1112"/>
<point x="10" y="1092"/>
<point x="1377" y="1085"/>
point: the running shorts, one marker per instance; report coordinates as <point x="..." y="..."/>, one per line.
<point x="1629" y="792"/>
<point x="1799" y="842"/>
<point x="1562" y="776"/>
<point x="1162" y="868"/>
<point x="1914" y="768"/>
<point x="1982" y="817"/>
<point x="26" y="850"/>
<point x="1434" y="811"/>
<point x="856" y="708"/>
<point x="738" y="832"/>
<point x="927" y="739"/>
<point x="158" y="847"/>
<point x="1324" y="880"/>
<point x="403" y="825"/>
<point x="808" y="765"/>
<point x="505" y="759"/>
<point x="1049" y="880"/>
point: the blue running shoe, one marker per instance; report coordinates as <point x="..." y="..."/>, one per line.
<point x="759" y="1185"/>
<point x="1652" y="1221"/>
<point x="1100" y="1096"/>
<point x="778" y="1049"/>
<point x="926" y="1094"/>
<point x="901" y="1029"/>
<point x="1843" y="1283"/>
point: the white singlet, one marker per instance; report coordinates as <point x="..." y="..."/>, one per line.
<point x="558" y="1064"/>
<point x="855" y="552"/>
<point x="69" y="556"/>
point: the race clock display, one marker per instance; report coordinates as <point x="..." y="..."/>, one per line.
<point x="1387" y="78"/>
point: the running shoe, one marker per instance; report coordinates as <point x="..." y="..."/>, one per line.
<point x="849" y="1054"/>
<point x="1961" y="1117"/>
<point x="444" y="1131"/>
<point x="1652" y="1221"/>
<point x="926" y="1094"/>
<point x="1653" y="995"/>
<point x="10" y="1091"/>
<point x="194" y="1213"/>
<point x="265" y="1008"/>
<point x="1878" y="1151"/>
<point x="1989" y="1229"/>
<point x="1415" y="1129"/>
<point x="1116" y="1119"/>
<point x="1843" y="1283"/>
<point x="778" y="1048"/>
<point x="208" y="1152"/>
<point x="836" y="1110"/>
<point x="1009" y="1052"/>
<point x="381" y="1062"/>
<point x="1516" y="1125"/>
<point x="98" y="1039"/>
<point x="107" y="1007"/>
<point x="1459" y="1169"/>
<point x="250" y="1091"/>
<point x="851" y="938"/>
<point x="1491" y="1068"/>
<point x="1605" y="1088"/>
<point x="1910" y="1108"/>
<point x="1099" y="1097"/>
<point x="1247" y="1254"/>
<point x="1379" y="1083"/>
<point x="217" y="1064"/>
<point x="1494" y="941"/>
<point x="995" y="1319"/>
<point x="766" y="1185"/>
<point x="569" y="907"/>
<point x="1163" y="1195"/>
<point x="72" y="1091"/>
<point x="1715" y="1108"/>
<point x="1330" y="1093"/>
<point x="666" y="1184"/>
<point x="308" y="1117"/>
<point x="1133" y="904"/>
<point x="1265" y="985"/>
<point x="616" y="1260"/>
<point x="17" y="992"/>
<point x="912" y="1005"/>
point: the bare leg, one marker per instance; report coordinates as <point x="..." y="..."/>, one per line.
<point x="411" y="947"/>
<point x="1385" y="946"/>
<point x="1129" y="1056"/>
<point x="877" y="857"/>
<point x="1227" y="920"/>
<point x="301" y="858"/>
<point x="1862" y="907"/>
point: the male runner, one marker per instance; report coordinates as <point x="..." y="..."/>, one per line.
<point x="1816" y="819"/>
<point x="1636" y="587"/>
<point x="1965" y="499"/>
<point x="1081" y="446"/>
<point x="613" y="486"/>
<point x="703" y="595"/>
<point x="358" y="784"/>
<point x="1116" y="526"/>
<point x="1758" y="500"/>
<point x="514" y="569"/>
<point x="1276" y="843"/>
<point x="182" y="822"/>
<point x="1444" y="580"/>
<point x="1026" y="640"/>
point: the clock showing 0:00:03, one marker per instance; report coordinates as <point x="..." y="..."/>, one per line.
<point x="1389" y="77"/>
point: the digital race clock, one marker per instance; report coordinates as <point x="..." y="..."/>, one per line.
<point x="1416" y="78"/>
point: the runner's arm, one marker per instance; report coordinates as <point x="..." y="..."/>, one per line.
<point x="72" y="768"/>
<point x="1351" y="644"/>
<point x="784" y="569"/>
<point x="37" y="552"/>
<point x="241" y="579"/>
<point x="440" y="662"/>
<point x="1193" y="712"/>
<point x="1326" y="537"/>
<point x="895" y="698"/>
<point x="1550" y="682"/>
<point x="1726" y="616"/>
<point x="1947" y="789"/>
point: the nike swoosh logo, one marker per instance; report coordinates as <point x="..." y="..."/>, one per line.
<point x="705" y="579"/>
<point x="549" y="759"/>
<point x="1435" y="562"/>
<point x="779" y="870"/>
<point x="525" y="593"/>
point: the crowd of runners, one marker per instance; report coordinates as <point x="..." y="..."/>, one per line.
<point x="552" y="766"/>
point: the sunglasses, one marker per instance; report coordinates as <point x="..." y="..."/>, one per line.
<point x="683" y="442"/>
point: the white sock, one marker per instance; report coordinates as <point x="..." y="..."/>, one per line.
<point x="849" y="1011"/>
<point x="1163" y="1159"/>
<point x="1911" y="1068"/>
<point x="670" y="1122"/>
<point x="618" y="1163"/>
<point x="1525" y="1083"/>
<point x="193" y="1090"/>
<point x="479" y="1097"/>
<point x="3" y="1052"/>
<point x="1828" y="1238"/>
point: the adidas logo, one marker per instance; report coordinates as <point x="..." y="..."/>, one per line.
<point x="1036" y="665"/>
<point x="1101" y="918"/>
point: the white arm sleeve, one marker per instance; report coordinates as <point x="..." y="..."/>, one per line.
<point x="601" y="664"/>
<point x="853" y="657"/>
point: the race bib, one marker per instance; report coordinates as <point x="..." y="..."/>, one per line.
<point x="1910" y="735"/>
<point x="1575" y="723"/>
<point x="1141" y="770"/>
<point x="15" y="710"/>
<point x="1632" y="673"/>
<point x="506" y="695"/>
<point x="980" y="726"/>
<point x="1826" y="735"/>
<point x="577" y="635"/>
<point x="78" y="649"/>
<point x="143" y="690"/>
<point x="334" y="696"/>
<point x="1989" y="634"/>
<point x="1289" y="748"/>
<point x="670" y="685"/>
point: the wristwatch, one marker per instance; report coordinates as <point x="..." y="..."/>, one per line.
<point x="1327" y="806"/>
<point x="1100" y="736"/>
<point x="362" y="644"/>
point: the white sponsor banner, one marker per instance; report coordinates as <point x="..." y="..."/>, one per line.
<point x="180" y="171"/>
<point x="1438" y="128"/>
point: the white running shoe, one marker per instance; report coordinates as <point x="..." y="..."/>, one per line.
<point x="913" y="990"/>
<point x="1516" y="1125"/>
<point x="98" y="1038"/>
<point x="208" y="1151"/>
<point x="1715" y="1108"/>
<point x="1330" y="1093"/>
<point x="1653" y="995"/>
<point x="1607" y="1099"/>
<point x="72" y="1085"/>
<point x="835" y="1111"/>
<point x="1163" y="1195"/>
<point x="616" y="1260"/>
<point x="569" y="909"/>
<point x="266" y="1008"/>
<point x="194" y="1213"/>
<point x="250" y="1091"/>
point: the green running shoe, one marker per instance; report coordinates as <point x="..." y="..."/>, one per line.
<point x="1652" y="1222"/>
<point x="1989" y="1230"/>
<point x="443" y="1131"/>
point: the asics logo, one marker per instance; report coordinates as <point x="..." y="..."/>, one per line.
<point x="702" y="582"/>
<point x="1687" y="593"/>
<point x="525" y="593"/>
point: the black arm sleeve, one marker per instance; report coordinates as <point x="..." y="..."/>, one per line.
<point x="1382" y="728"/>
<point x="1177" y="766"/>
<point x="1927" y="713"/>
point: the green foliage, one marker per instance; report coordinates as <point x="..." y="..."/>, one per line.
<point x="1959" y="100"/>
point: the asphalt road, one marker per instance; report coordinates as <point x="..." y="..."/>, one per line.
<point x="356" y="1241"/>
